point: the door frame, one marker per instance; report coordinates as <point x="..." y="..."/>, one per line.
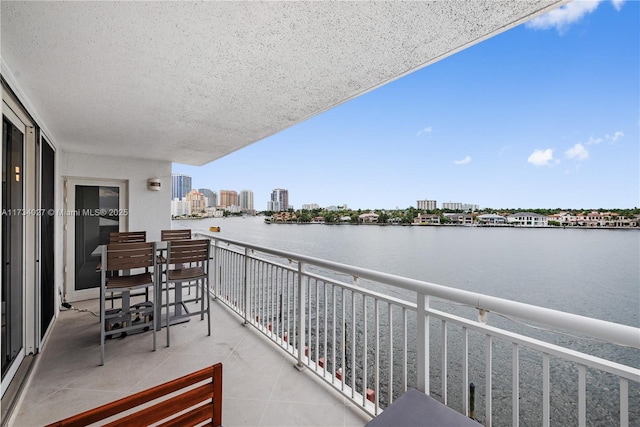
<point x="69" y="216"/>
<point x="42" y="335"/>
<point x="14" y="113"/>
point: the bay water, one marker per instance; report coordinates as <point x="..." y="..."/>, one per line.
<point x="594" y="273"/>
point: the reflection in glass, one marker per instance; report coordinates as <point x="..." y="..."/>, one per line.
<point x="12" y="245"/>
<point x="93" y="223"/>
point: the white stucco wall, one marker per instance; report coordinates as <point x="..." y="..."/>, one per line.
<point x="148" y="210"/>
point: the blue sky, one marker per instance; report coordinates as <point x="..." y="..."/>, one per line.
<point x="546" y="115"/>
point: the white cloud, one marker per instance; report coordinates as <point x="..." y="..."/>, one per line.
<point x="577" y="152"/>
<point x="593" y="141"/>
<point x="563" y="16"/>
<point x="425" y="130"/>
<point x="464" y="161"/>
<point x="616" y="136"/>
<point x="541" y="157"/>
<point x="617" y="4"/>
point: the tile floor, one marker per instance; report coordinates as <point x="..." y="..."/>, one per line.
<point x="261" y="386"/>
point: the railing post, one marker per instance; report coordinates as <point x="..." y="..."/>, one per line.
<point x="301" y="318"/>
<point x="482" y="316"/>
<point x="488" y="396"/>
<point x="246" y="286"/>
<point x="624" y="402"/>
<point x="515" y="393"/>
<point x="472" y="401"/>
<point x="214" y="243"/>
<point x="422" y="342"/>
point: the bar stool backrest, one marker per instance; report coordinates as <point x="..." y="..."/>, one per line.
<point x="127" y="236"/>
<point x="171" y="235"/>
<point x="129" y="255"/>
<point x="188" y="251"/>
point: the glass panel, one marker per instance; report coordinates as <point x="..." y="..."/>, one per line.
<point x="93" y="225"/>
<point x="12" y="244"/>
<point x="47" y="284"/>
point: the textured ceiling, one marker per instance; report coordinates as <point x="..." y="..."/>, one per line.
<point x="193" y="81"/>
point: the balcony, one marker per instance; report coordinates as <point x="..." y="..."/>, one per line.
<point x="261" y="386"/>
<point x="358" y="348"/>
<point x="109" y="117"/>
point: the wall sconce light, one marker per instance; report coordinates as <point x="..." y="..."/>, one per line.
<point x="153" y="184"/>
<point x="17" y="169"/>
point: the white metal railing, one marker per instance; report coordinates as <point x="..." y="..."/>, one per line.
<point x="342" y="323"/>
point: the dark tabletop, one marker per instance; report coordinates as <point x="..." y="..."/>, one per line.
<point x="416" y="409"/>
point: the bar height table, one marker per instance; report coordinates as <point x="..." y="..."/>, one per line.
<point x="161" y="247"/>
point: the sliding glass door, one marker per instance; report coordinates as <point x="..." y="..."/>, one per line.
<point x="47" y="235"/>
<point x="27" y="244"/>
<point x="13" y="287"/>
<point x="91" y="214"/>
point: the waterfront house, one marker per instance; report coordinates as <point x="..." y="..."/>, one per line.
<point x="593" y="219"/>
<point x="491" y="219"/>
<point x="563" y="218"/>
<point x="99" y="98"/>
<point x="600" y="219"/>
<point x="427" y="219"/>
<point x="528" y="219"/>
<point x="284" y="216"/>
<point x="368" y="218"/>
<point x="459" y="218"/>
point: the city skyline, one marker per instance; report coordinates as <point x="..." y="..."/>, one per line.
<point x="545" y="115"/>
<point x="244" y="199"/>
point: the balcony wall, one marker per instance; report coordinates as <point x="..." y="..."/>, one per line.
<point x="147" y="210"/>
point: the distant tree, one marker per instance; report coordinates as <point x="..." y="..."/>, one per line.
<point x="330" y="217"/>
<point x="409" y="214"/>
<point x="304" y="216"/>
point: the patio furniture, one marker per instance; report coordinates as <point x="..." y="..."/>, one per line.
<point x="127" y="236"/>
<point x="171" y="235"/>
<point x="194" y="256"/>
<point x="186" y="406"/>
<point x="121" y="237"/>
<point x="118" y="261"/>
<point x="181" y="234"/>
<point x="167" y="236"/>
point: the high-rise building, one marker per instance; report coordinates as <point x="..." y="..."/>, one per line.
<point x="246" y="201"/>
<point x="279" y="200"/>
<point x="197" y="201"/>
<point x="452" y="206"/>
<point x="228" y="198"/>
<point x="180" y="208"/>
<point x="212" y="197"/>
<point x="180" y="186"/>
<point x="427" y="205"/>
<point x="464" y="207"/>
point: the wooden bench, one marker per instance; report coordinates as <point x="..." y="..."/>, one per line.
<point x="187" y="405"/>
